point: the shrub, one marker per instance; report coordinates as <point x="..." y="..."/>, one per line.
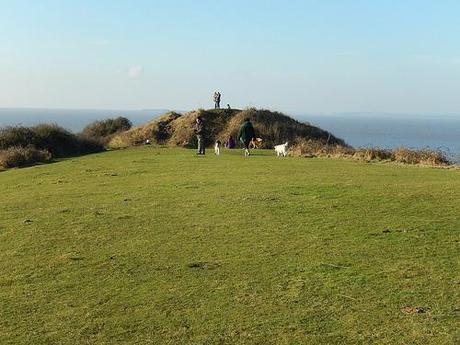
<point x="105" y="129"/>
<point x="52" y="139"/>
<point x="16" y="136"/>
<point x="58" y="141"/>
<point x="88" y="145"/>
<point x="312" y="148"/>
<point x="426" y="156"/>
<point x="22" y="156"/>
<point x="373" y="154"/>
<point x="61" y="143"/>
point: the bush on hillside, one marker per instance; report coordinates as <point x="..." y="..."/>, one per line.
<point x="16" y="136"/>
<point x="373" y="154"/>
<point x="105" y="129"/>
<point x="318" y="148"/>
<point x="38" y="140"/>
<point x="57" y="140"/>
<point x="13" y="157"/>
<point x="425" y="156"/>
<point x="62" y="143"/>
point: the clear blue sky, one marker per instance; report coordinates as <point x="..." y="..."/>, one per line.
<point x="298" y="56"/>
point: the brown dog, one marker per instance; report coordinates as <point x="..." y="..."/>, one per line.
<point x="255" y="143"/>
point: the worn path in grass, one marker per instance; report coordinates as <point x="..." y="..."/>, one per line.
<point x="158" y="246"/>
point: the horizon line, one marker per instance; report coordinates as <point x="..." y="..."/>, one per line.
<point x="297" y="112"/>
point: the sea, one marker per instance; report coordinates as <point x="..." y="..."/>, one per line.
<point x="433" y="131"/>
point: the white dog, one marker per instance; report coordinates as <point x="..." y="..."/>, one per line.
<point x="281" y="150"/>
<point x="217" y="147"/>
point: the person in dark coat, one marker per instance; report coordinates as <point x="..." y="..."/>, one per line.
<point x="200" y="132"/>
<point x="246" y="134"/>
<point x="231" y="142"/>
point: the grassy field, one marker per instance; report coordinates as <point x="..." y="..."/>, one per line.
<point x="159" y="246"/>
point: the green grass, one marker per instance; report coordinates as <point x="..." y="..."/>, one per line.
<point x="158" y="246"/>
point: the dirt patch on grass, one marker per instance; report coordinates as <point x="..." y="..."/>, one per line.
<point x="204" y="265"/>
<point x="410" y="310"/>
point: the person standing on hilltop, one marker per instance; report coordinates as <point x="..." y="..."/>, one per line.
<point x="246" y="134"/>
<point x="217" y="97"/>
<point x="200" y="132"/>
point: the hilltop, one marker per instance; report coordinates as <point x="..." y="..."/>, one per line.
<point x="175" y="129"/>
<point x="178" y="130"/>
<point x="22" y="146"/>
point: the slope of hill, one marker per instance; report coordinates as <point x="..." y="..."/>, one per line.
<point x="178" y="130"/>
<point x="159" y="246"/>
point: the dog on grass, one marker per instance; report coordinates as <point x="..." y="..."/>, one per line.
<point x="217" y="146"/>
<point x="255" y="143"/>
<point x="281" y="150"/>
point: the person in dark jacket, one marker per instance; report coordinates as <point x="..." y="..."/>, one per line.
<point x="231" y="142"/>
<point x="200" y="131"/>
<point x="246" y="134"/>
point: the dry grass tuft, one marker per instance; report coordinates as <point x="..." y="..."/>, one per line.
<point x="315" y="148"/>
<point x="22" y="156"/>
<point x="372" y="154"/>
<point x="425" y="157"/>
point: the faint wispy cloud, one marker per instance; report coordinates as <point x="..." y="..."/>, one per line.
<point x="135" y="72"/>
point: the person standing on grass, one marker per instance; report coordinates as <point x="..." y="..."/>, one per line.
<point x="200" y="132"/>
<point x="246" y="134"/>
<point x="231" y="142"/>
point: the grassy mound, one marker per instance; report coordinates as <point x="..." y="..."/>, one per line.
<point x="158" y="130"/>
<point x="176" y="130"/>
<point x="276" y="128"/>
<point x="216" y="120"/>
